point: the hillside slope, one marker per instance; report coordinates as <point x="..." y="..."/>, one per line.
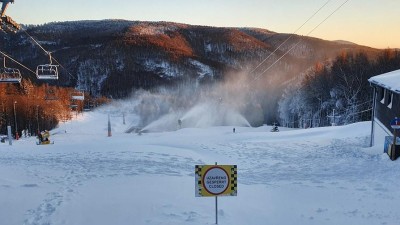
<point x="301" y="176"/>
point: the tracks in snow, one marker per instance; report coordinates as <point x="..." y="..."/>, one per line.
<point x="67" y="171"/>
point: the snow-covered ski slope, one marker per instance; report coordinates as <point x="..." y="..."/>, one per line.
<point x="306" y="176"/>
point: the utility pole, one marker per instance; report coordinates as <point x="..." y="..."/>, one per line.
<point x="109" y="126"/>
<point x="320" y="112"/>
<point x="37" y="118"/>
<point x="15" y="120"/>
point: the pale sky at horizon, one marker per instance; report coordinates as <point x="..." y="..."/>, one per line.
<point x="374" y="23"/>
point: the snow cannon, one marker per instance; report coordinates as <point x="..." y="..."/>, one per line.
<point x="44" y="138"/>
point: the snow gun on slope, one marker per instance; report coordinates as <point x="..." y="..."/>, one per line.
<point x="44" y="138"/>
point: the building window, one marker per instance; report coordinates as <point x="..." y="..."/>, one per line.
<point x="390" y="100"/>
<point x="383" y="95"/>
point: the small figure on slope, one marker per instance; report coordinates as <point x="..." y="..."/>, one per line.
<point x="275" y="128"/>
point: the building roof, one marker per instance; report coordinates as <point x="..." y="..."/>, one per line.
<point x="389" y="81"/>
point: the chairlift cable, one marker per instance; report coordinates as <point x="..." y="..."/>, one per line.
<point x="9" y="57"/>
<point x="36" y="42"/>
<point x="48" y="53"/>
<point x="64" y="69"/>
<point x="259" y="75"/>
<point x="276" y="49"/>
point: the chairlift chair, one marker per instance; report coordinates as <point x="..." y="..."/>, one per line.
<point x="78" y="95"/>
<point x="9" y="75"/>
<point x="47" y="71"/>
<point x="75" y="97"/>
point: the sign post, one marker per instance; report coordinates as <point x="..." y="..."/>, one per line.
<point x="395" y="124"/>
<point x="216" y="205"/>
<point x="216" y="180"/>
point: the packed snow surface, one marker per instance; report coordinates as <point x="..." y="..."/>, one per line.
<point x="305" y="176"/>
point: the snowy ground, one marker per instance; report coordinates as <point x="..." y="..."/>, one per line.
<point x="313" y="176"/>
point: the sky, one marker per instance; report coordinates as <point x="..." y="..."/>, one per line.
<point x="372" y="23"/>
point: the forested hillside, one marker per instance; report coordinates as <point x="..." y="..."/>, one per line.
<point x="33" y="108"/>
<point x="335" y="92"/>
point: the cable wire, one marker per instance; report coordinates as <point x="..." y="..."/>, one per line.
<point x="9" y="57"/>
<point x="276" y="49"/>
<point x="48" y="53"/>
<point x="36" y="42"/>
<point x="261" y="74"/>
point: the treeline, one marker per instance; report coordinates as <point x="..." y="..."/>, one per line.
<point x="335" y="92"/>
<point x="29" y="108"/>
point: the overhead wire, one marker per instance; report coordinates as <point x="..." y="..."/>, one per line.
<point x="38" y="44"/>
<point x="295" y="45"/>
<point x="284" y="42"/>
<point x="47" y="52"/>
<point x="25" y="67"/>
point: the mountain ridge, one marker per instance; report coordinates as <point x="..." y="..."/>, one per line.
<point x="116" y="57"/>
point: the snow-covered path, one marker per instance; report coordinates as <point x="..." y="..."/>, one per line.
<point x="314" y="176"/>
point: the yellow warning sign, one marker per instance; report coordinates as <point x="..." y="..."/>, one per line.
<point x="216" y="180"/>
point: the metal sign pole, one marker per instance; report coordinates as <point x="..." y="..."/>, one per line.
<point x="216" y="209"/>
<point x="216" y="206"/>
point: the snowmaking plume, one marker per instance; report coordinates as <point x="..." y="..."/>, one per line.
<point x="228" y="103"/>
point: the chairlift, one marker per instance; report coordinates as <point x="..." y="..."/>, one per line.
<point x="88" y="105"/>
<point x="78" y="95"/>
<point x="75" y="97"/>
<point x="87" y="109"/>
<point x="47" y="71"/>
<point x="9" y="75"/>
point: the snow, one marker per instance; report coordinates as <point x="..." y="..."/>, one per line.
<point x="295" y="176"/>
<point x="204" y="70"/>
<point x="389" y="80"/>
<point x="164" y="68"/>
<point x="155" y="29"/>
